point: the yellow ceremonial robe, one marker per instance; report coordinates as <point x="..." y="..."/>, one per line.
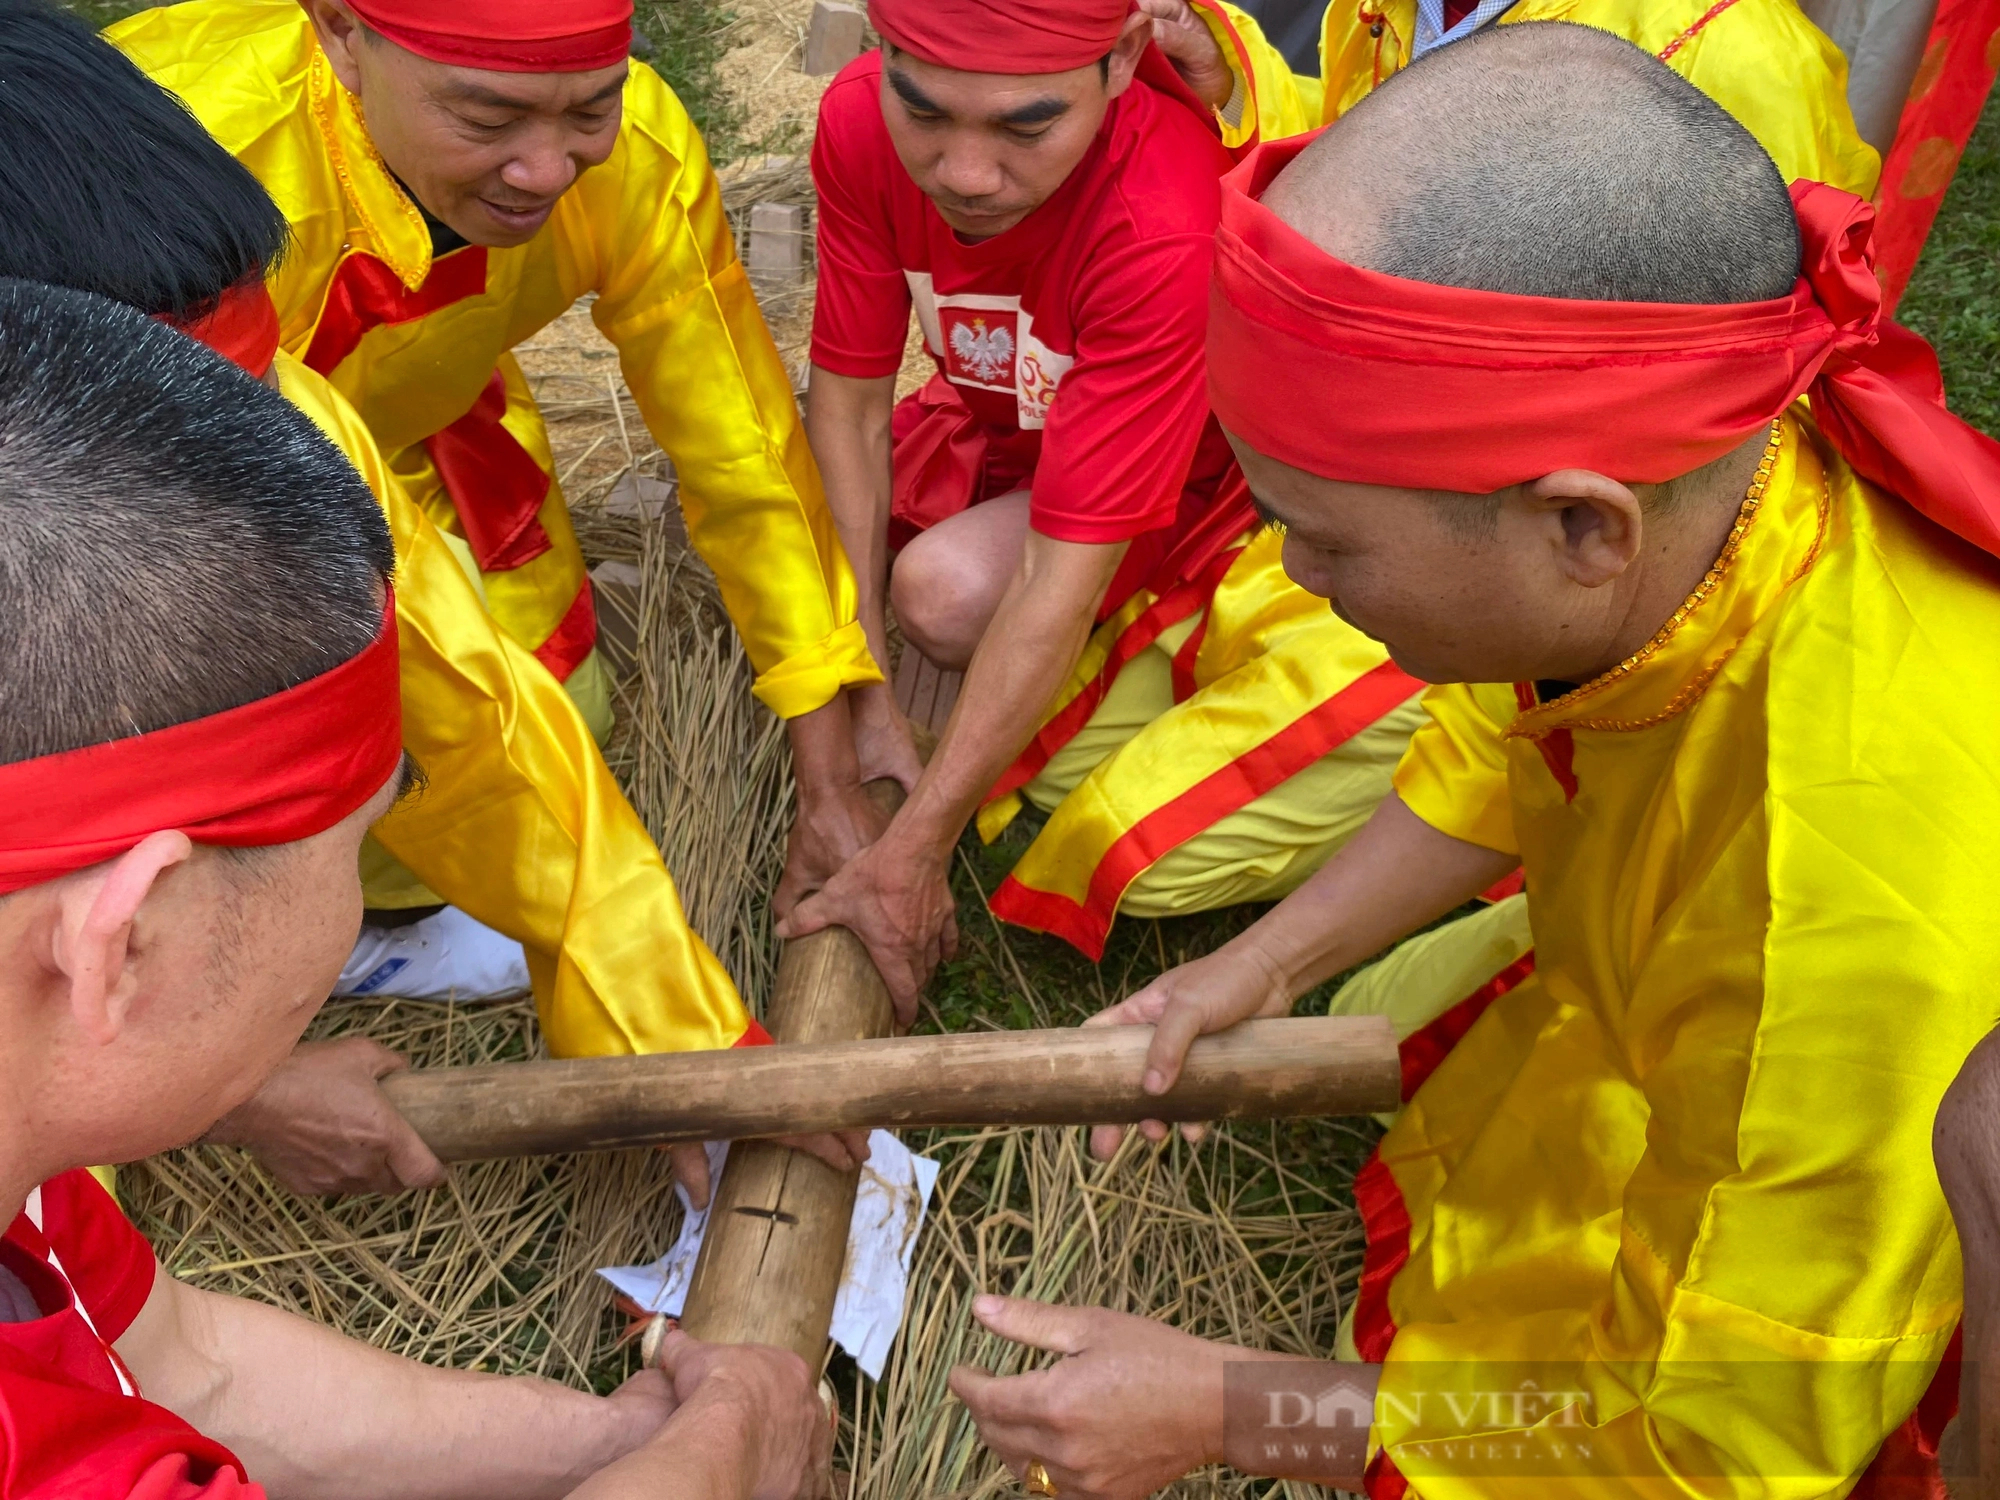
<point x="1761" y="60"/>
<point x="1682" y="1175"/>
<point x="417" y="345"/>
<point x="520" y="823"/>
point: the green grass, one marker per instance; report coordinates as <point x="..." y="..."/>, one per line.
<point x="685" y="41"/>
<point x="1954" y="298"/>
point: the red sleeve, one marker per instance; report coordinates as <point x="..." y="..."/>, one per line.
<point x="62" y="1438"/>
<point x="106" y="1259"/>
<point x="1123" y="428"/>
<point x="862" y="311"/>
<point x="59" y="1441"/>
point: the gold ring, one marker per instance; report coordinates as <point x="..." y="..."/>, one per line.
<point x="1036" y="1481"/>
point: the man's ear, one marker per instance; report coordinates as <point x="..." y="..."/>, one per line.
<point x="340" y="38"/>
<point x="1603" y="524"/>
<point x="1126" y="52"/>
<point x="92" y="943"/>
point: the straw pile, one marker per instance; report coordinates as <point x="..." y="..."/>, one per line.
<point x="1250" y="1237"/>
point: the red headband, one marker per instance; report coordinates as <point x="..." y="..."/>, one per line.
<point x="243" y="328"/>
<point x="1002" y="36"/>
<point x="507" y="36"/>
<point x="271" y="772"/>
<point x="1401" y="383"/>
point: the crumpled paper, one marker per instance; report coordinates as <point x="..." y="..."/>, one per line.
<point x="889" y="1209"/>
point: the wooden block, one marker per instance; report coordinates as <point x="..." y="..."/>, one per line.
<point x="925" y="691"/>
<point x="616" y="585"/>
<point x="638" y="498"/>
<point x="777" y="249"/>
<point x="635" y="497"/>
<point x="833" y="37"/>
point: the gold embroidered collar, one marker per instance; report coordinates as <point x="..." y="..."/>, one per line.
<point x="1774" y="543"/>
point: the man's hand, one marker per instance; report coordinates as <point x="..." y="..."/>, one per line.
<point x="1192" y="49"/>
<point x="1210" y="994"/>
<point x="896" y="898"/>
<point x="774" y="1401"/>
<point x="645" y="1399"/>
<point x="1132" y="1406"/>
<point x="883" y="745"/>
<point x="690" y="1163"/>
<point x="843" y="1150"/>
<point x="834" y="824"/>
<point x="322" y="1124"/>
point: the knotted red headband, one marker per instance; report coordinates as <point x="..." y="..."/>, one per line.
<point x="271" y="772"/>
<point x="242" y="327"/>
<point x="1002" y="36"/>
<point x="507" y="36"/>
<point x="1401" y="383"/>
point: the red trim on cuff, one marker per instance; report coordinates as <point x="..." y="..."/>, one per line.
<point x="754" y="1035"/>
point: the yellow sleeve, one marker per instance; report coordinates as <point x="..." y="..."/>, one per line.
<point x="674" y="298"/>
<point x="1276" y="101"/>
<point x="521" y="823"/>
<point x="1787" y="1277"/>
<point x="1454" y="773"/>
<point x="1806" y="125"/>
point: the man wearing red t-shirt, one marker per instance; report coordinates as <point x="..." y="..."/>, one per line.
<point x="1066" y="521"/>
<point x="203" y="723"/>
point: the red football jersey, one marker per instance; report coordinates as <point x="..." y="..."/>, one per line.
<point x="1075" y="338"/>
<point x="72" y="1422"/>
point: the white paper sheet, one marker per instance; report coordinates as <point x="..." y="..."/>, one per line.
<point x="889" y="1208"/>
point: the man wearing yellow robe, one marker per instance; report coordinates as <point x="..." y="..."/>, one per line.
<point x="1715" y="669"/>
<point x="472" y="203"/>
<point x="1729" y="51"/>
<point x="511" y="765"/>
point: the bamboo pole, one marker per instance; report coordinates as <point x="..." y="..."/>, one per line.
<point x="770" y="1263"/>
<point x="1260" y="1070"/>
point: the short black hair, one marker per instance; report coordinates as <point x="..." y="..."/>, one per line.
<point x="175" y="538"/>
<point x="1548" y="159"/>
<point x="110" y="184"/>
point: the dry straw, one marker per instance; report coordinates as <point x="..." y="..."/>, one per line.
<point x="1249" y="1237"/>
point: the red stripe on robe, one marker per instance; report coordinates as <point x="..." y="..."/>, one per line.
<point x="574" y="637"/>
<point x="496" y="487"/>
<point x="495" y="484"/>
<point x="1086" y="925"/>
<point x="1170" y="608"/>
<point x="365" y="294"/>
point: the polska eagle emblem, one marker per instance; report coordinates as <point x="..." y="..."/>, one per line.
<point x="986" y="353"/>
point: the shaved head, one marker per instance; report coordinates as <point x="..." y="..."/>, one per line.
<point x="1551" y="160"/>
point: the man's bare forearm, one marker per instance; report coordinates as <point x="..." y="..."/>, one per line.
<point x="704" y="1452"/>
<point x="848" y="425"/>
<point x="1333" y="1456"/>
<point x="823" y="754"/>
<point x="312" y="1414"/>
<point x="1391" y="878"/>
<point x="1027" y="652"/>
